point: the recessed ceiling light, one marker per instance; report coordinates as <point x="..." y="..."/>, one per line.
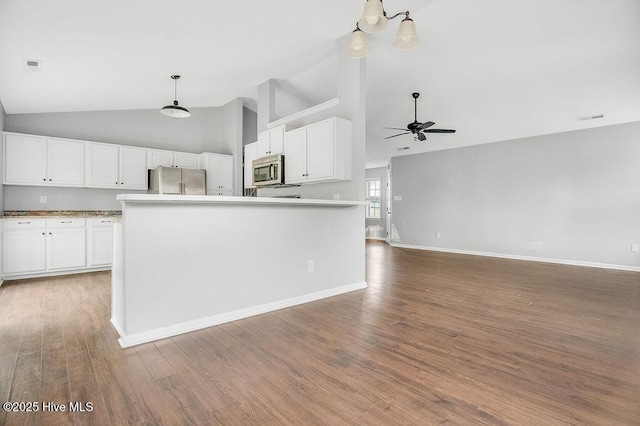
<point x="33" y="65"/>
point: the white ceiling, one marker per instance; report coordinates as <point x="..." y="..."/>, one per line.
<point x="492" y="69"/>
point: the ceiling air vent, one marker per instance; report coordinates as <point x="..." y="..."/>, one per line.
<point x="32" y="65"/>
<point x="590" y="117"/>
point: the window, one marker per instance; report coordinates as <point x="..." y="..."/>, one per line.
<point x="372" y="210"/>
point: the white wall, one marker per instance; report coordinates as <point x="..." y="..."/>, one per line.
<point x="569" y="196"/>
<point x="351" y="89"/>
<point x="212" y="129"/>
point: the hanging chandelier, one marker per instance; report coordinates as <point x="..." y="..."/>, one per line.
<point x="175" y="110"/>
<point x="374" y="18"/>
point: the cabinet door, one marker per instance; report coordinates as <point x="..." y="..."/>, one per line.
<point x="100" y="245"/>
<point x="102" y="166"/>
<point x="276" y="140"/>
<point x="66" y="248"/>
<point x="263" y="144"/>
<point x="185" y="160"/>
<point x="25" y="160"/>
<point x="133" y="168"/>
<point x="320" y="150"/>
<point x="250" y="154"/>
<point x="24" y="251"/>
<point x="295" y="156"/>
<point x="226" y="174"/>
<point x="65" y="162"/>
<point x="158" y="157"/>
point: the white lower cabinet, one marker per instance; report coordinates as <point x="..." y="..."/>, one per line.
<point x="66" y="248"/>
<point x="37" y="247"/>
<point x="100" y="242"/>
<point x="24" y="247"/>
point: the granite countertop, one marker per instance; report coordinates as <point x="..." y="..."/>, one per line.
<point x="49" y="214"/>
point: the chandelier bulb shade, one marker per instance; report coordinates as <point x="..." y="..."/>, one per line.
<point x="175" y="110"/>
<point x="373" y="17"/>
<point x="406" y="37"/>
<point x="358" y="47"/>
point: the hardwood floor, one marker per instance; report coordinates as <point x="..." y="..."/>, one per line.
<point x="436" y="338"/>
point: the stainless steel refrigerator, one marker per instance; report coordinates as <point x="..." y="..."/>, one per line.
<point x="171" y="180"/>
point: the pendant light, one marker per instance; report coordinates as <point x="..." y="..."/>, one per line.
<point x="358" y="47"/>
<point x="374" y="18"/>
<point x="407" y="36"/>
<point x="175" y="110"/>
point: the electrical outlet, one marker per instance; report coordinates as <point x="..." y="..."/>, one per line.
<point x="397" y="198"/>
<point x="438" y="235"/>
<point x="311" y="265"/>
<point x="336" y="196"/>
<point x="43" y="199"/>
<point x="635" y="248"/>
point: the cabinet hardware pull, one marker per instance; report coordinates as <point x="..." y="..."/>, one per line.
<point x="23" y="223"/>
<point x="105" y="221"/>
<point x="45" y="179"/>
<point x="66" y="221"/>
<point x="43" y="233"/>
<point x="49" y="233"/>
<point x="49" y="180"/>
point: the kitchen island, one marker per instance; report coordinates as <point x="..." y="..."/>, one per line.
<point x="183" y="263"/>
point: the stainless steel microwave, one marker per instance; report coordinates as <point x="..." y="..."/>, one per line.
<point x="268" y="170"/>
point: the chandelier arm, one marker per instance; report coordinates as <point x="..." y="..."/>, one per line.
<point x="406" y="14"/>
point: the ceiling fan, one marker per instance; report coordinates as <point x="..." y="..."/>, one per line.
<point x="417" y="128"/>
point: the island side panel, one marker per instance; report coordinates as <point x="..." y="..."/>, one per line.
<point x="188" y="262"/>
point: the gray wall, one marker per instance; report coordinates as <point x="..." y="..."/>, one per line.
<point x="569" y="196"/>
<point x="249" y="126"/>
<point x="377" y="228"/>
<point x="212" y="129"/>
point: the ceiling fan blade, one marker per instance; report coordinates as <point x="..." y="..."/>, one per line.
<point x="422" y="137"/>
<point x="426" y="125"/>
<point x="439" y="131"/>
<point x="399" y="134"/>
<point x="395" y="128"/>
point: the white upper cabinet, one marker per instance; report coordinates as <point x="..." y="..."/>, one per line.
<point x="65" y="162"/>
<point x="271" y="142"/>
<point x="37" y="160"/>
<point x="320" y="152"/>
<point x="250" y="154"/>
<point x="295" y="156"/>
<point x="102" y="166"/>
<point x="132" y="167"/>
<point x="113" y="166"/>
<point x="219" y="173"/>
<point x="158" y="157"/>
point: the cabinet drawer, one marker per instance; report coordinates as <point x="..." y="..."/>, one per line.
<point x="24" y="223"/>
<point x="102" y="221"/>
<point x="65" y="223"/>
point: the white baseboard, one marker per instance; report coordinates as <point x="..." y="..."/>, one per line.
<point x="10" y="277"/>
<point x="186" y="327"/>
<point x="528" y="258"/>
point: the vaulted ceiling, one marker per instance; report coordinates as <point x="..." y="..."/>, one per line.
<point x="492" y="69"/>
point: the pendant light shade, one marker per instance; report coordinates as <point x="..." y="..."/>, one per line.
<point x="373" y="17"/>
<point x="358" y="47"/>
<point x="407" y="36"/>
<point x="175" y="110"/>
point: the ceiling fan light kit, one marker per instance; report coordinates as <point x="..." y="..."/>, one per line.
<point x="374" y="18"/>
<point x="174" y="110"/>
